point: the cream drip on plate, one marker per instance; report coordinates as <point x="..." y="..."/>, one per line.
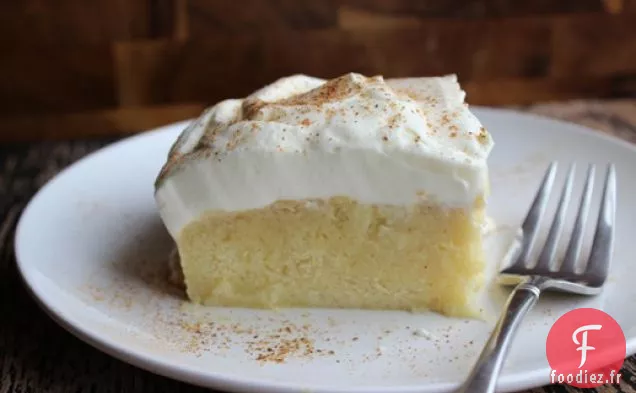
<point x="392" y="141"/>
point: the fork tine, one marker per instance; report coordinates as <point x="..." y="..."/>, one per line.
<point x="549" y="249"/>
<point x="576" y="239"/>
<point x="602" y="245"/>
<point x="530" y="224"/>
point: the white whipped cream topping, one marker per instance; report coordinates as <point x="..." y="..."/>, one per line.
<point x="391" y="141"/>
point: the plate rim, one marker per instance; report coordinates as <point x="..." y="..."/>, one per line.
<point x="211" y="379"/>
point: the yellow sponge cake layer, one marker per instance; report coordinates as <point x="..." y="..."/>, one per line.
<point x="336" y="253"/>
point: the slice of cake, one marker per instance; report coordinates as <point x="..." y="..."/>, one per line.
<point x="356" y="192"/>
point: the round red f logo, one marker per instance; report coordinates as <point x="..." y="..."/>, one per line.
<point x="585" y="348"/>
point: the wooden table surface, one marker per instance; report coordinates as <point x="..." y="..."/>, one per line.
<point x="36" y="355"/>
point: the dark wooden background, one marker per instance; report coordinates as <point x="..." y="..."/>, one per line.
<point x="72" y="68"/>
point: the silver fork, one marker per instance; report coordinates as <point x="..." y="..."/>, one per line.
<point x="532" y="279"/>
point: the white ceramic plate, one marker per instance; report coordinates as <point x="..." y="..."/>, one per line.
<point x="93" y="251"/>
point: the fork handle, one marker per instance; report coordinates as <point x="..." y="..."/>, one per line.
<point x="484" y="375"/>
